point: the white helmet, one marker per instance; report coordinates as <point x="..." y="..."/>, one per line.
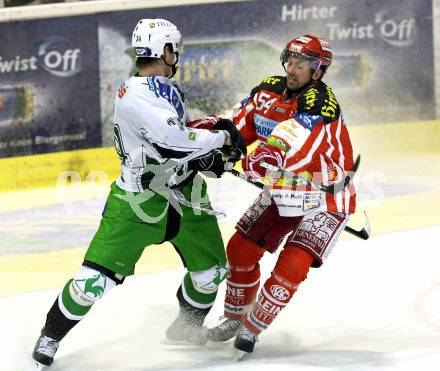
<point x="151" y="35"/>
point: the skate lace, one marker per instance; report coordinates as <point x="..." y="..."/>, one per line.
<point x="248" y="335"/>
<point x="47" y="346"/>
<point x="229" y="324"/>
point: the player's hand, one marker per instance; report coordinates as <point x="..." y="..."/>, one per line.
<point x="213" y="165"/>
<point x="234" y="148"/>
<point x="263" y="153"/>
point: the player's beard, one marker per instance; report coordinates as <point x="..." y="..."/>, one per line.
<point x="293" y="83"/>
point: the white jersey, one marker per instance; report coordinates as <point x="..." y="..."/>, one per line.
<point x="150" y="129"/>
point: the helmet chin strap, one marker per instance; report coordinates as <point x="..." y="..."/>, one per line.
<point x="314" y="75"/>
<point x="173" y="65"/>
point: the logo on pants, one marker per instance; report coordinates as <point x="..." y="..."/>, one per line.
<point x="279" y="292"/>
<point x="316" y="231"/>
<point x="250" y="217"/>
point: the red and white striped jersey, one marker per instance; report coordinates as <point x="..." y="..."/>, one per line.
<point x="312" y="135"/>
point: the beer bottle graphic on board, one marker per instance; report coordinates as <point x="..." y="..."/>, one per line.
<point x="217" y="74"/>
<point x="16" y="104"/>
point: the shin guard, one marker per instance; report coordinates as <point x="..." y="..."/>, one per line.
<point x="75" y="301"/>
<point x="290" y="270"/>
<point x="244" y="276"/>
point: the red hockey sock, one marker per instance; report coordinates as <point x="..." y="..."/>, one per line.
<point x="244" y="277"/>
<point x="291" y="269"/>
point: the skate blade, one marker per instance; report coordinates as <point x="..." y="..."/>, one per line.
<point x="166" y="341"/>
<point x="239" y="355"/>
<point x="217" y="345"/>
<point x="37" y="366"/>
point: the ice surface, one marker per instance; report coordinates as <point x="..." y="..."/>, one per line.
<point x="372" y="306"/>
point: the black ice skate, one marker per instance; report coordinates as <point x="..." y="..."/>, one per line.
<point x="224" y="331"/>
<point x="244" y="342"/>
<point x="45" y="349"/>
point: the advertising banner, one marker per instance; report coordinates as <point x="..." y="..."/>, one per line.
<point x="382" y="69"/>
<point x="49" y="88"/>
<point x="53" y="95"/>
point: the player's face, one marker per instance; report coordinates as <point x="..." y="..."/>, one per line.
<point x="298" y="72"/>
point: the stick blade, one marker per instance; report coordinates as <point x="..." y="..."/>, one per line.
<point x="367" y="228"/>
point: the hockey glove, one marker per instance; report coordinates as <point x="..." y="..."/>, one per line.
<point x="212" y="165"/>
<point x="237" y="149"/>
<point x="263" y="153"/>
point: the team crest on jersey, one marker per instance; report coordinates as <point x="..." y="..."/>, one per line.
<point x="308" y="121"/>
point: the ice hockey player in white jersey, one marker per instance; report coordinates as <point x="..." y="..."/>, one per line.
<point x="158" y="197"/>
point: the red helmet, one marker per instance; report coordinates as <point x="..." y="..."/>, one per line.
<point x="309" y="47"/>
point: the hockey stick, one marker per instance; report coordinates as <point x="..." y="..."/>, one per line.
<point x="363" y="234"/>
<point x="200" y="207"/>
<point x="332" y="189"/>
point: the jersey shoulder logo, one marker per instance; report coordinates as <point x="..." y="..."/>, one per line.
<point x="170" y="93"/>
<point x="319" y="100"/>
<point x="273" y="80"/>
<point x="122" y="90"/>
<point x="273" y="84"/>
<point x="308" y="121"/>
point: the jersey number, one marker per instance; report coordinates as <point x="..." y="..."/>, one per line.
<point x="263" y="103"/>
<point x="177" y="122"/>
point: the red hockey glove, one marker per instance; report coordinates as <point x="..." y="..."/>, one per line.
<point x="263" y="153"/>
<point x="207" y="122"/>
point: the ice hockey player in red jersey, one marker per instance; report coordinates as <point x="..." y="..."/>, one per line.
<point x="299" y="123"/>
